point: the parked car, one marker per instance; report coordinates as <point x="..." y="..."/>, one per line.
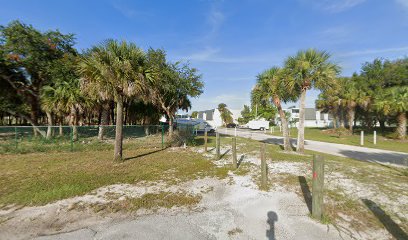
<point x="231" y="125"/>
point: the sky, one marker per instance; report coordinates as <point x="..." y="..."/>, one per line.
<point x="230" y="41"/>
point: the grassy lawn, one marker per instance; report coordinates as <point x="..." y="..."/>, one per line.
<point x="319" y="134"/>
<point x="353" y="188"/>
<point x="40" y="178"/>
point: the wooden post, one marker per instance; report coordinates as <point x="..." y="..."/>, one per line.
<point x="280" y="128"/>
<point x="317" y="186"/>
<point x="375" y="138"/>
<point x="362" y="138"/>
<point x="205" y="140"/>
<point x="264" y="170"/>
<point x="234" y="153"/>
<point x="217" y="150"/>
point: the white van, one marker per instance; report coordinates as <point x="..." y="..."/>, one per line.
<point x="258" y="125"/>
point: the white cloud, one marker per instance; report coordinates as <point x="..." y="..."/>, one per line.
<point x="215" y="19"/>
<point x="372" y="51"/>
<point x="403" y="3"/>
<point x="213" y="55"/>
<point x="127" y="11"/>
<point x="334" y="5"/>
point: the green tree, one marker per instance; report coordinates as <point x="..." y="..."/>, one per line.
<point x="246" y="115"/>
<point x="30" y="56"/>
<point x="309" y="69"/>
<point x="271" y="86"/>
<point x="394" y="101"/>
<point x="226" y="114"/>
<point x="174" y="84"/>
<point x="194" y="114"/>
<point x="119" y="68"/>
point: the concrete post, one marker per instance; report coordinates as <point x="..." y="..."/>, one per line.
<point x="235" y="131"/>
<point x="375" y="138"/>
<point x="205" y="140"/>
<point x="234" y="153"/>
<point x="264" y="170"/>
<point x="217" y="139"/>
<point x="317" y="186"/>
<point x="362" y="138"/>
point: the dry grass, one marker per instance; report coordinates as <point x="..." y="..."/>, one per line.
<point x="40" y="178"/>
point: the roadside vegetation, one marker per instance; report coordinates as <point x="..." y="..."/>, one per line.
<point x="377" y="96"/>
<point x="46" y="81"/>
<point x="344" y="137"/>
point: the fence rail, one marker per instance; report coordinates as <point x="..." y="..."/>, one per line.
<point x="25" y="139"/>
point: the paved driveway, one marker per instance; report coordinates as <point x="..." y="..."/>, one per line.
<point x="359" y="153"/>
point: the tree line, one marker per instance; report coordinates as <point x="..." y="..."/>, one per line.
<point x="45" y="80"/>
<point x="378" y="94"/>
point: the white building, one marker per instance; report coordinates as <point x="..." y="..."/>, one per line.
<point x="313" y="118"/>
<point x="213" y="116"/>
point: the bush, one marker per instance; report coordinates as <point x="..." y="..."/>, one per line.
<point x="340" y="132"/>
<point x="180" y="137"/>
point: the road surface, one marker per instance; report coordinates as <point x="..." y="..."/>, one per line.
<point x="355" y="152"/>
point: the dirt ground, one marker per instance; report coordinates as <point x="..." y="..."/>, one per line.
<point x="231" y="208"/>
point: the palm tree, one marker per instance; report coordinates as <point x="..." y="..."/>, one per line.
<point x="394" y="102"/>
<point x="309" y="69"/>
<point x="225" y="113"/>
<point x="271" y="87"/>
<point x="328" y="101"/>
<point x="118" y="68"/>
<point x="48" y="103"/>
<point x="103" y="97"/>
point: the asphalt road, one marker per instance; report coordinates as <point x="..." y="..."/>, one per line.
<point x="355" y="152"/>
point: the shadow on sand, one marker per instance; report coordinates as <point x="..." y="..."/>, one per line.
<point x="386" y="220"/>
<point x="307" y="195"/>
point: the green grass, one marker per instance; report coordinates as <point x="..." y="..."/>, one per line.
<point x="41" y="178"/>
<point x="319" y="134"/>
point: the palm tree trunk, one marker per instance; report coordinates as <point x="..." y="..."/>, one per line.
<point x="351" y="115"/>
<point x="104" y="120"/>
<point x="50" y="123"/>
<point x="119" y="129"/>
<point x="382" y="126"/>
<point x="73" y="122"/>
<point x="402" y="125"/>
<point x="61" y="132"/>
<point x="301" y="129"/>
<point x="286" y="140"/>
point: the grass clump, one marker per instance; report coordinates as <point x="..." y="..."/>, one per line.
<point x="149" y="201"/>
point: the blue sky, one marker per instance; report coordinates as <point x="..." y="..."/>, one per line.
<point x="230" y="41"/>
